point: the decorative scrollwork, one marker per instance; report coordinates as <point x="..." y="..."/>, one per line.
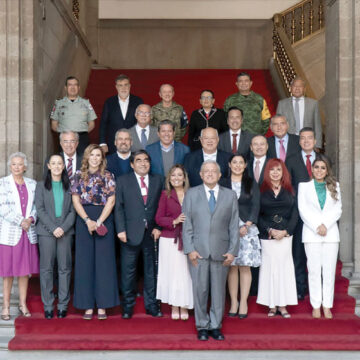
<point x="76" y="9"/>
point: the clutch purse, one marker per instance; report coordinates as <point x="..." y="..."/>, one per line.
<point x="101" y="230"/>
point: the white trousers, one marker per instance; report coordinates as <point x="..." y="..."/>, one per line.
<point x="321" y="264"/>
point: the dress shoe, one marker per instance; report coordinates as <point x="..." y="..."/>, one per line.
<point x="61" y="314"/>
<point x="231" y="314"/>
<point x="203" y="335"/>
<point x="87" y="316"/>
<point x="49" y="314"/>
<point x="243" y="316"/>
<point x="216" y="334"/>
<point x="301" y="297"/>
<point x="127" y="314"/>
<point x="316" y="313"/>
<point x="155" y="312"/>
<point x="327" y="313"/>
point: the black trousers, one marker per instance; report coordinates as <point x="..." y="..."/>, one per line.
<point x="128" y="263"/>
<point x="83" y="142"/>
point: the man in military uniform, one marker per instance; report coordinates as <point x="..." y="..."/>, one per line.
<point x="256" y="113"/>
<point x="73" y="113"/>
<point x="168" y="109"/>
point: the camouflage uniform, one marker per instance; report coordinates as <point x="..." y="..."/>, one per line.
<point x="256" y="113"/>
<point x="175" y="113"/>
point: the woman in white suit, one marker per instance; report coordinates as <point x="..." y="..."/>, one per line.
<point x="319" y="202"/>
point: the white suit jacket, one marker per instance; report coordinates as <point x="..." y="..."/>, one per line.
<point x="10" y="211"/>
<point x="312" y="215"/>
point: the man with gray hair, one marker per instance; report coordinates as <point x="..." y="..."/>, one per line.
<point x="119" y="162"/>
<point x="142" y="133"/>
<point x="211" y="241"/>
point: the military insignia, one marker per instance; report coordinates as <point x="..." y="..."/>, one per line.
<point x="53" y="110"/>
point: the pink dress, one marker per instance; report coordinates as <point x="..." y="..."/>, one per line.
<point x="22" y="259"/>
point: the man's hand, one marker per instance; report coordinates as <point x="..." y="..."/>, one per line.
<point x="122" y="236"/>
<point x="229" y="258"/>
<point x="193" y="257"/>
<point x="156" y="234"/>
<point x="105" y="148"/>
<point x="58" y="232"/>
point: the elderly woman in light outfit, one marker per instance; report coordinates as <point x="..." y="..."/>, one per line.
<point x="18" y="250"/>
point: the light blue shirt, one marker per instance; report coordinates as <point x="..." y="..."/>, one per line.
<point x="312" y="157"/>
<point x="167" y="149"/>
<point x="277" y="144"/>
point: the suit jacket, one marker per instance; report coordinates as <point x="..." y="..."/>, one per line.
<point x="45" y="207"/>
<point x="312" y="215"/>
<point x="154" y="150"/>
<point x="153" y="137"/>
<point x="78" y="162"/>
<point x="113" y="165"/>
<point x="131" y="214"/>
<point x="211" y="235"/>
<point x="11" y="213"/>
<point x="250" y="168"/>
<point x="293" y="146"/>
<point x="194" y="160"/>
<point x="297" y="169"/>
<point x="311" y="116"/>
<point x="244" y="143"/>
<point x="112" y="119"/>
<point x="249" y="204"/>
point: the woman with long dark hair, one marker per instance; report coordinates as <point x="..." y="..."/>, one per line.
<point x="248" y="195"/>
<point x="277" y="220"/>
<point x="55" y="230"/>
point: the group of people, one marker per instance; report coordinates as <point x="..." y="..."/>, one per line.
<point x="214" y="212"/>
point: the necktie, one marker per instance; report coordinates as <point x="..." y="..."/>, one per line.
<point x="143" y="138"/>
<point x="207" y="116"/>
<point x="297" y="115"/>
<point x="234" y="143"/>
<point x="308" y="165"/>
<point x="69" y="168"/>
<point x="257" y="170"/>
<point x="143" y="186"/>
<point x="212" y="201"/>
<point x="282" y="150"/>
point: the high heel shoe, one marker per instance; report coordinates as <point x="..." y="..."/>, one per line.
<point x="24" y="311"/>
<point x="184" y="314"/>
<point x="175" y="313"/>
<point x="5" y="315"/>
<point x="327" y="313"/>
<point x="316" y="313"/>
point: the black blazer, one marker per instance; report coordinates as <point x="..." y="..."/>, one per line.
<point x="194" y="160"/>
<point x="297" y="169"/>
<point x="112" y="119"/>
<point x="251" y="171"/>
<point x="249" y="204"/>
<point x="292" y="148"/>
<point x="78" y="163"/>
<point x="244" y="143"/>
<point x="131" y="214"/>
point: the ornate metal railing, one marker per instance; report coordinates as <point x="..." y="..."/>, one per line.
<point x="75" y="9"/>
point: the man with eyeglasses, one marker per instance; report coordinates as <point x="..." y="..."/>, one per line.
<point x="207" y="116"/>
<point x="118" y="113"/>
<point x="69" y="141"/>
<point x="143" y="134"/>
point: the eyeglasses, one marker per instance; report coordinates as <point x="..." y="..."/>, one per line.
<point x="144" y="113"/>
<point x="66" y="142"/>
<point x="206" y="97"/>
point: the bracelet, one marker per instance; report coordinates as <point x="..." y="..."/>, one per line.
<point x="98" y="222"/>
<point x="86" y="219"/>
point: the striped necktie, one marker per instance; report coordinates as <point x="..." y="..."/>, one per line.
<point x="70" y="168"/>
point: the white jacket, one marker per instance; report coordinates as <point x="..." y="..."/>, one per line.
<point x="312" y="215"/>
<point x="11" y="214"/>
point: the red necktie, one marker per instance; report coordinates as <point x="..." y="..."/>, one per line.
<point x="234" y="144"/>
<point x="143" y="186"/>
<point x="308" y="165"/>
<point x="207" y="116"/>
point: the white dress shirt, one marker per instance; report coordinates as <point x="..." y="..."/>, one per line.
<point x="139" y="130"/>
<point x="210" y="156"/>
<point x="261" y="164"/>
<point x="216" y="191"/>
<point x="301" y="110"/>
<point x="237" y="138"/>
<point x="66" y="160"/>
<point x="146" y="180"/>
<point x="312" y="157"/>
<point x="124" y="104"/>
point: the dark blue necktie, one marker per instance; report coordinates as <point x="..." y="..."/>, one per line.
<point x="212" y="201"/>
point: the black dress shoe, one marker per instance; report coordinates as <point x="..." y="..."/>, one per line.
<point x="301" y="297"/>
<point x="127" y="314"/>
<point x="216" y="334"/>
<point x="49" y="314"/>
<point x="155" y="312"/>
<point x="203" y="335"/>
<point x="61" y="314"/>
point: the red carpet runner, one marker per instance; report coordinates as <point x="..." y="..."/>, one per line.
<point x="187" y="83"/>
<point x="143" y="332"/>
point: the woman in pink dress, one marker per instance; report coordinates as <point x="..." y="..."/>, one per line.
<point x="18" y="250"/>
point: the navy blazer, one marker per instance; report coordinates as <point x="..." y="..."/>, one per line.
<point x="112" y="119"/>
<point x="113" y="165"/>
<point x="154" y="150"/>
<point x="194" y="160"/>
<point x="293" y="146"/>
<point x="131" y="214"/>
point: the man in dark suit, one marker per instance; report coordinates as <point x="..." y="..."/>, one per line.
<point x="137" y="197"/>
<point x="299" y="166"/>
<point x="256" y="167"/>
<point x="119" y="162"/>
<point x="143" y="134"/>
<point x="209" y="139"/>
<point x="282" y="144"/>
<point x="236" y="140"/>
<point x="118" y="112"/>
<point x="166" y="152"/>
<point x="69" y="141"/>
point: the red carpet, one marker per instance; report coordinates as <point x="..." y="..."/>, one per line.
<point x="143" y="332"/>
<point x="187" y="83"/>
